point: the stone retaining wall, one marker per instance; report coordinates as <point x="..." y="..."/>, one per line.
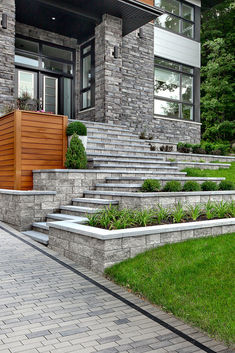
<point x="97" y="249"/>
<point x="196" y="157"/>
<point x="21" y="208"/>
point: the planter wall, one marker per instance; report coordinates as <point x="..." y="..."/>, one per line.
<point x="28" y="141"/>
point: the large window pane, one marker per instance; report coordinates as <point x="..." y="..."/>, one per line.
<point x="187" y="29"/>
<point x="172" y="6"/>
<point x="26" y="83"/>
<point x="57" y="66"/>
<point x="166" y="63"/>
<point x="26" y="45"/>
<point x="187" y="112"/>
<point x="170" y="109"/>
<point x="167" y="84"/>
<point x="86" y="99"/>
<point x="27" y="59"/>
<point x="67" y="96"/>
<point x="86" y="82"/>
<point x="187" y="88"/>
<point x="169" y="22"/>
<point x="187" y="12"/>
<point x="57" y="52"/>
<point x="50" y="94"/>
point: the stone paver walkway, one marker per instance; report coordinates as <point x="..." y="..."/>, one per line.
<point x="49" y="304"/>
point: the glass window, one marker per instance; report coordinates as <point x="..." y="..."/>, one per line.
<point x="187" y="112"/>
<point x="169" y="22"/>
<point x="172" y="6"/>
<point x="86" y="50"/>
<point x="57" y="66"/>
<point x="26" y="83"/>
<point x="67" y="97"/>
<point x="27" y="59"/>
<point x="179" y="18"/>
<point x="26" y="45"/>
<point x="173" y="90"/>
<point x="167" y="84"/>
<point x="187" y="12"/>
<point x="86" y="82"/>
<point x="171" y="109"/>
<point x="57" y="52"/>
<point x="187" y="88"/>
<point x="50" y="94"/>
<point x="86" y="99"/>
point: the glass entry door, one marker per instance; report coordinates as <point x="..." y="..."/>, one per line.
<point x="50" y="94"/>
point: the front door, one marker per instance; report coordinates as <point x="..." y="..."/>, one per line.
<point x="50" y="94"/>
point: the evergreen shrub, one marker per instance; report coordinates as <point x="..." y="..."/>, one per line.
<point x="76" y="154"/>
<point x="76" y="127"/>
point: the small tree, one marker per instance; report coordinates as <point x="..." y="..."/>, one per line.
<point x="76" y="154"/>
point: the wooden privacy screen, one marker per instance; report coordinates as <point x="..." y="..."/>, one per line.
<point x="28" y="141"/>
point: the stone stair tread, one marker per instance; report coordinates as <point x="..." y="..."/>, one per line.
<point x="116" y="150"/>
<point x="119" y="185"/>
<point x="120" y="160"/>
<point x="66" y="217"/>
<point x="104" y="125"/>
<point x="37" y="236"/>
<point x="95" y="201"/>
<point x="80" y="209"/>
<point x="126" y="155"/>
<point x="137" y="166"/>
<point x="133" y="139"/>
<point x="117" y="143"/>
<point x="183" y="178"/>
<point x="41" y="225"/>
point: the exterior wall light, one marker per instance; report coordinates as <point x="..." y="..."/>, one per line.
<point x="141" y="33"/>
<point x="115" y="52"/>
<point x="4" y="21"/>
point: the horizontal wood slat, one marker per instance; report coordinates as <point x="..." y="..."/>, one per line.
<point x="42" y="144"/>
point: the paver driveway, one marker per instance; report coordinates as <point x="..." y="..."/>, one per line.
<point x="48" y="304"/>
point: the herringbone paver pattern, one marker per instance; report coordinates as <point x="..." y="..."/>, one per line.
<point x="45" y="307"/>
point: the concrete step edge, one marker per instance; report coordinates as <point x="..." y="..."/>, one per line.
<point x="37" y="236"/>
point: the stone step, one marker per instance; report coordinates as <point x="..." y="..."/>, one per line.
<point x="120" y="149"/>
<point x="98" y="203"/>
<point x="105" y="126"/>
<point x="163" y="179"/>
<point x="143" y="168"/>
<point x="129" y="163"/>
<point x="109" y="134"/>
<point x="37" y="236"/>
<point x="53" y="217"/>
<point x="125" y="156"/>
<point x="118" y="187"/>
<point x="41" y="227"/>
<point x="126" y="146"/>
<point x="79" y="210"/>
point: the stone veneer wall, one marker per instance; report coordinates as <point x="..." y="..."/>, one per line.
<point x="108" y="76"/>
<point x="138" y="79"/>
<point x="7" y="54"/>
<point x="54" y="38"/>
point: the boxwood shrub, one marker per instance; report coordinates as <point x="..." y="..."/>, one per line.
<point x="226" y="185"/>
<point x="209" y="186"/>
<point x="76" y="127"/>
<point x="173" y="186"/>
<point x="151" y="185"/>
<point x="191" y="186"/>
<point x="76" y="154"/>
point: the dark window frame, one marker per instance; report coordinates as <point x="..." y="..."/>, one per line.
<point x="42" y="71"/>
<point x="90" y="88"/>
<point x="181" y="20"/>
<point x="180" y="101"/>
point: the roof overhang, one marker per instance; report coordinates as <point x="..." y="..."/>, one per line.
<point x="78" y="18"/>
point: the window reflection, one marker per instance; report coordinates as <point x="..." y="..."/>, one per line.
<point x="167" y="84"/>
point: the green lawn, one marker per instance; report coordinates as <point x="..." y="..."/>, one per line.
<point x="229" y="174"/>
<point x="194" y="280"/>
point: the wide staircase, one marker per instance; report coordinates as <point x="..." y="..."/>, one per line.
<point x="114" y="149"/>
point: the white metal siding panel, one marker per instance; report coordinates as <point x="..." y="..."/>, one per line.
<point x="176" y="48"/>
<point x="195" y="2"/>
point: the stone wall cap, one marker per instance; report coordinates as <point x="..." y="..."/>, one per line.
<point x="160" y="194"/>
<point x="103" y="234"/>
<point x="26" y="193"/>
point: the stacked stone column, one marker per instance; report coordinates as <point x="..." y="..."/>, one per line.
<point x="7" y="54"/>
<point x="108" y="70"/>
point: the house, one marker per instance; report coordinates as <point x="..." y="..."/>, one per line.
<point x="128" y="62"/>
